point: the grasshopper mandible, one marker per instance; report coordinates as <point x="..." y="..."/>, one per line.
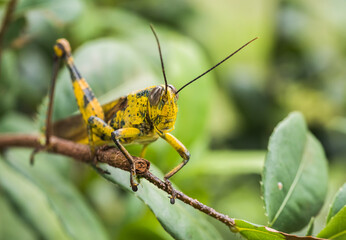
<point x="140" y="117"/>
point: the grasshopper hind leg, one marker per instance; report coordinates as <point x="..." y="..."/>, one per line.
<point x="91" y="109"/>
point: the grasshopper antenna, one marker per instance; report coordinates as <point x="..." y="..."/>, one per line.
<point x="161" y="59"/>
<point x="216" y="65"/>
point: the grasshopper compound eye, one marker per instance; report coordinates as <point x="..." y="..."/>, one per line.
<point x="155" y="95"/>
<point x="174" y="90"/>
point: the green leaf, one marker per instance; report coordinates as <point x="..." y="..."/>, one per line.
<point x="254" y="232"/>
<point x="15" y="28"/>
<point x="310" y="228"/>
<point x="9" y="81"/>
<point x="338" y="203"/>
<point x="15" y="227"/>
<point x="251" y="231"/>
<point x="31" y="203"/>
<point x="227" y="163"/>
<point x="179" y="220"/>
<point x="33" y="86"/>
<point x="65" y="201"/>
<point x="63" y="10"/>
<point x="294" y="176"/>
<point x="16" y="122"/>
<point x="336" y="227"/>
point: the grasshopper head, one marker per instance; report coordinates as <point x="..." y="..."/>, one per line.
<point x="163" y="107"/>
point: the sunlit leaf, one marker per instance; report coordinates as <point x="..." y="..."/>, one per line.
<point x="254" y="232"/>
<point x="336" y="227"/>
<point x="338" y="203"/>
<point x="294" y="175"/>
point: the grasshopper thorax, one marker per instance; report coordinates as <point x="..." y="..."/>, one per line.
<point x="163" y="107"/>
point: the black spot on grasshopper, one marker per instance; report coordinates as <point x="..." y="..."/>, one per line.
<point x="161" y="104"/>
<point x="156" y="120"/>
<point x="88" y="96"/>
<point x="103" y="136"/>
<point x="142" y="93"/>
<point x="111" y="114"/>
<point x="75" y="75"/>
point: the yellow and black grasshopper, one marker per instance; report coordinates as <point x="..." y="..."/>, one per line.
<point x="140" y="117"/>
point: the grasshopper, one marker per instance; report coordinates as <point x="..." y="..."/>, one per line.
<point x="140" y="117"/>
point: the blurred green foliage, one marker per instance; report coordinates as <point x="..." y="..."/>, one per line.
<point x="225" y="119"/>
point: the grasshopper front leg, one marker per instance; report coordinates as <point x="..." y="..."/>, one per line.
<point x="183" y="152"/>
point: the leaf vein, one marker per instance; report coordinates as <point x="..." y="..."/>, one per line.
<point x="293" y="185"/>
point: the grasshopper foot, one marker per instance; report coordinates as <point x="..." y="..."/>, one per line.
<point x="134" y="185"/>
<point x="33" y="154"/>
<point x="173" y="192"/>
<point x="36" y="151"/>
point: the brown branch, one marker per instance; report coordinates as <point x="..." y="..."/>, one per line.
<point x="111" y="156"/>
<point x="5" y="22"/>
<point x="79" y="152"/>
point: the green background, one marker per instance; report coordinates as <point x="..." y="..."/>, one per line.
<point x="225" y="119"/>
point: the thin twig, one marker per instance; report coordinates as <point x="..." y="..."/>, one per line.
<point x="188" y="200"/>
<point x="111" y="156"/>
<point x="79" y="152"/>
<point x="5" y="22"/>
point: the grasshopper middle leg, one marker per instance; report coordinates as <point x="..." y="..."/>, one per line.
<point x="98" y="127"/>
